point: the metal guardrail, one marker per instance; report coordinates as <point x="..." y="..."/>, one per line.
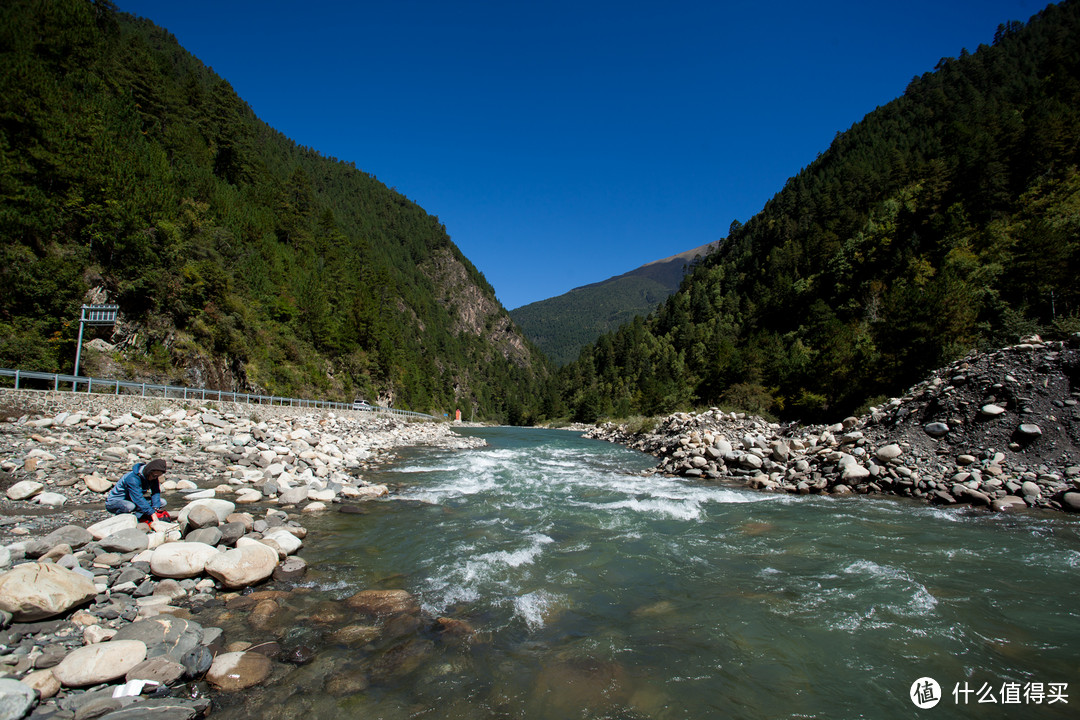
<point x="172" y="392"/>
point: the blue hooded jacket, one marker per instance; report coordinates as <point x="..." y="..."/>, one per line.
<point x="133" y="487"/>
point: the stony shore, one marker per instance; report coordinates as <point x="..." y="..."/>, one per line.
<point x="102" y="617"/>
<point x="999" y="430"/>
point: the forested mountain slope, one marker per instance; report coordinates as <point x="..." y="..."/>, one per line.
<point x="947" y="220"/>
<point x="562" y="325"/>
<point x="129" y="171"/>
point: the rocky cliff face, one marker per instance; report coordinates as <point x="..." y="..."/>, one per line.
<point x="474" y="310"/>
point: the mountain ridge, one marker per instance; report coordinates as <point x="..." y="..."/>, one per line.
<point x="560" y="326"/>
<point x="131" y="173"/>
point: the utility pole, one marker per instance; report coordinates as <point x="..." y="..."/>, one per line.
<point x="92" y="315"/>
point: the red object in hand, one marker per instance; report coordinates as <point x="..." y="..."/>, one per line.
<point x="163" y="515"/>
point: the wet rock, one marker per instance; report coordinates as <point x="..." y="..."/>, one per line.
<point x="1071" y="501"/>
<point x="348" y="682"/>
<point x="158" y="669"/>
<point x="162" y="709"/>
<point x="164" y="636"/>
<point x="238" y="670"/>
<point x="197" y="661"/>
<point x="400" y="660"/>
<point x="1008" y="502"/>
<point x="383" y="602"/>
<point x="33" y="591"/>
<point x="355" y="634"/>
<point x="291" y="568"/>
<point x="93" y="664"/>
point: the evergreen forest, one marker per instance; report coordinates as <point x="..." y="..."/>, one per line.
<point x="945" y="221"/>
<point x="131" y="173"/>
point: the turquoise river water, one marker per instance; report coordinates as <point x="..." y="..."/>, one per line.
<point x="596" y="592"/>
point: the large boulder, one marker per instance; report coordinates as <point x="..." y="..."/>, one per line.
<point x="238" y="670"/>
<point x="71" y="535"/>
<point x="34" y="591"/>
<point x="111" y="525"/>
<point x="93" y="664"/>
<point x="126" y="541"/>
<point x="181" y="559"/>
<point x="285" y="540"/>
<point x="244" y="565"/>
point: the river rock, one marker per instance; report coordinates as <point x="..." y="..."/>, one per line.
<point x="238" y="670"/>
<point x="199" y="518"/>
<point x="50" y="499"/>
<point x="367" y="492"/>
<point x="97" y="483"/>
<point x="1007" y="503"/>
<point x="1029" y="431"/>
<point x="93" y="664"/>
<point x="854" y="471"/>
<point x="221" y="508"/>
<point x="164" y="636"/>
<point x="889" y="452"/>
<point x="1030" y="489"/>
<point x="206" y="535"/>
<point x="383" y="602"/>
<point x="33" y="591"/>
<point x="936" y="429"/>
<point x="243" y="565"/>
<point x="181" y="559"/>
<point x="159" y="669"/>
<point x="24" y="489"/>
<point x="16" y="699"/>
<point x="71" y="535"/>
<point x="292" y="568"/>
<point x="285" y="540"/>
<point x="44" y="681"/>
<point x="111" y="525"/>
<point x="231" y="532"/>
<point x="991" y="410"/>
<point x="293" y="496"/>
<point x="131" y="540"/>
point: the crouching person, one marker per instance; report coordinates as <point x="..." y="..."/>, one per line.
<point x="139" y="492"/>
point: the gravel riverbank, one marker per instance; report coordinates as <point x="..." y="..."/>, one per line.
<point x="999" y="430"/>
<point x="102" y="617"/>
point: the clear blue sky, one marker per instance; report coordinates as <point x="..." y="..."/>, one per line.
<point x="561" y="142"/>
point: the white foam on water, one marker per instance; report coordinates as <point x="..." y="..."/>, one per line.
<point x="533" y="607"/>
<point x="922" y="601"/>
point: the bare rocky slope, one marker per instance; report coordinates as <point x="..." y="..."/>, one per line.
<point x="998" y="429"/>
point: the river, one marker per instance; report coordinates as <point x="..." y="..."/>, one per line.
<point x="596" y="592"/>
